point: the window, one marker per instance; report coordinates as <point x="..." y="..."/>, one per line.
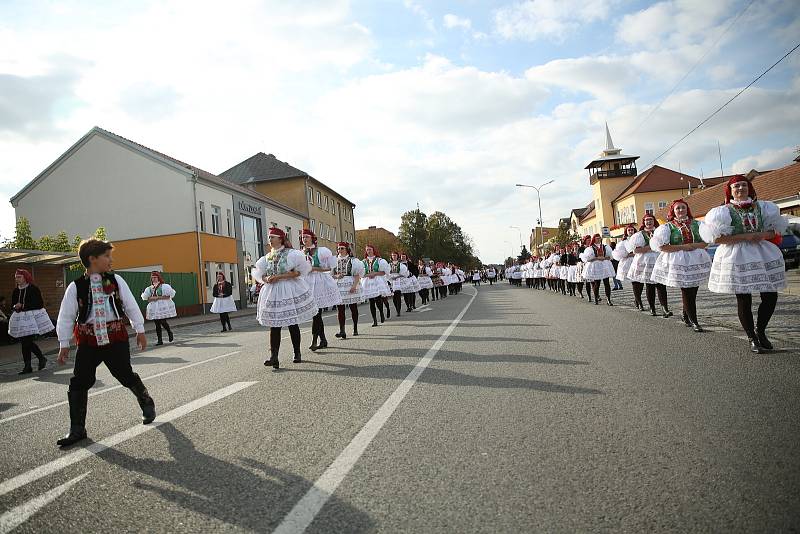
<point x="648" y="208"/>
<point x="216" y="215"/>
<point x="310" y="195"/>
<point x="313" y="226"/>
<point x="327" y="204"/>
<point x="273" y="225"/>
<point x="319" y="199"/>
<point x="333" y="208"/>
<point x="230" y="226"/>
<point x="202" y="217"/>
<point x="288" y="231"/>
<point x="662" y="204"/>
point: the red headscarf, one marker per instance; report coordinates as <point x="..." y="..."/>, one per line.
<point x="306" y="231"/>
<point x="587" y="240"/>
<point x="599" y="249"/>
<point x="671" y="209"/>
<point x="345" y="245"/>
<point x="274" y="231"/>
<point x="751" y="191"/>
<point x="646" y="215"/>
<point x="25" y="274"/>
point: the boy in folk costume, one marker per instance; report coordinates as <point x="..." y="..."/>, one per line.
<point x="93" y="310"/>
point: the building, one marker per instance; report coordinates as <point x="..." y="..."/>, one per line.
<point x="161" y="213"/>
<point x="47" y="268"/>
<point x="537" y="239"/>
<point x="383" y="239"/>
<point x="781" y="186"/>
<point x="329" y="213"/>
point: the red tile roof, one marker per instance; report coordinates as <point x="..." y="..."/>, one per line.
<point x="658" y="178"/>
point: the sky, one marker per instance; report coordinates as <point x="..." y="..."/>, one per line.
<point x="442" y="104"/>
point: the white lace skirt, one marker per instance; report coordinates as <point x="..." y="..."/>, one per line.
<point x="598" y="270"/>
<point x="223" y="305"/>
<point x="563" y="272"/>
<point x="375" y="287"/>
<point x="401" y="284"/>
<point x="425" y="282"/>
<point x="684" y="268"/>
<point x="30" y="323"/>
<point x="344" y="284"/>
<point x="324" y="288"/>
<point x="160" y="309"/>
<point x="642" y="267"/>
<point x="285" y="303"/>
<point x="572" y="274"/>
<point x="750" y="267"/>
<point x="622" y="268"/>
<point x="412" y="286"/>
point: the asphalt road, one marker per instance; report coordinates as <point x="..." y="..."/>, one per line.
<point x="513" y="411"/>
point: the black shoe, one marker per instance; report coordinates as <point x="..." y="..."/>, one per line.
<point x="145" y="403"/>
<point x="273" y="360"/>
<point x="608" y="301"/>
<point x="653" y="312"/>
<point x="355" y="331"/>
<point x="597" y="302"/>
<point x="297" y="358"/>
<point x="388" y="315"/>
<point x="755" y="346"/>
<point x="762" y="340"/>
<point x="323" y="344"/>
<point x="697" y="328"/>
<point x="666" y="313"/>
<point x="374" y="325"/>
<point x="159" y="342"/>
<point x="314" y="346"/>
<point x="686" y="320"/>
<point x="76" y="434"/>
<point x="223" y="330"/>
<point x="342" y="335"/>
<point x="338" y="334"/>
<point x="170" y="336"/>
<point x="42" y="363"/>
<point x="26" y="371"/>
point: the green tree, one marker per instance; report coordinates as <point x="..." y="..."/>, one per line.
<point x="100" y="233"/>
<point x="76" y="243"/>
<point x="524" y="255"/>
<point x="23" y="238"/>
<point x="61" y="243"/>
<point x="413" y="234"/>
<point x="565" y="236"/>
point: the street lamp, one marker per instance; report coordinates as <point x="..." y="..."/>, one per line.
<point x="541" y="236"/>
<point x="520" y="236"/>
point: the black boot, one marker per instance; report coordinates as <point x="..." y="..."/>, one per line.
<point x="665" y="313"/>
<point x="653" y="311"/>
<point x="77" y="418"/>
<point x="145" y="402"/>
<point x="355" y="329"/>
<point x="755" y="345"/>
<point x="160" y="341"/>
<point x="314" y="346"/>
<point x="27" y="369"/>
<point x="686" y="320"/>
<point x="273" y="361"/>
<point x="42" y="362"/>
<point x="762" y="340"/>
<point x="342" y="334"/>
<point x="608" y="301"/>
<point x="323" y="341"/>
<point x="297" y="358"/>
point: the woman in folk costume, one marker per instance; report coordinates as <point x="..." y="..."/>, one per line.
<point x="462" y="277"/>
<point x="563" y="271"/>
<point x="682" y="260"/>
<point x="527" y="272"/>
<point x="410" y="292"/>
<point x="28" y="319"/>
<point x="223" y="301"/>
<point x="348" y="273"/>
<point x="748" y="259"/>
<point x="538" y="273"/>
<point x="425" y="281"/>
<point x="447" y="279"/>
<point x="398" y="278"/>
<point x="436" y="278"/>
<point x="374" y="282"/>
<point x="285" y="299"/>
<point x="625" y="258"/>
<point x="555" y="268"/>
<point x="597" y="257"/>
<point x="160" y="306"/>
<point x="323" y="286"/>
<point x="644" y="259"/>
<point x="572" y="268"/>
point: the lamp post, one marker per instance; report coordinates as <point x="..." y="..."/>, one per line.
<point x="539" y="198"/>
<point x="520" y="236"/>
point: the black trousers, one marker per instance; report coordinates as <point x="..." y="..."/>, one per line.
<point x="161" y="323"/>
<point x="116" y="356"/>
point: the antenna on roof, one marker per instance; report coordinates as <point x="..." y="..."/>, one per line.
<point x="719" y="151"/>
<point x="702" y="183"/>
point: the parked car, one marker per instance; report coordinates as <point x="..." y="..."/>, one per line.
<point x="790" y="246"/>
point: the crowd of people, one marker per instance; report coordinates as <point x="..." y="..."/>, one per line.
<point x="653" y="257"/>
<point x="298" y="284"/>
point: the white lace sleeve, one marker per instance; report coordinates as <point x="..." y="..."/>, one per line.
<point x="660" y="237"/>
<point x="773" y="220"/>
<point x="717" y="223"/>
<point x="260" y="269"/>
<point x="358" y="267"/>
<point x="296" y="261"/>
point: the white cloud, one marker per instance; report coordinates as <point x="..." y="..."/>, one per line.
<point x="767" y="159"/>
<point x="454" y="21"/>
<point x="539" y="19"/>
<point x="604" y="77"/>
<point x="417" y="9"/>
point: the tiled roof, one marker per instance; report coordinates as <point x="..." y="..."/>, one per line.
<point x="774" y="185"/>
<point x="588" y="212"/>
<point x="658" y="178"/>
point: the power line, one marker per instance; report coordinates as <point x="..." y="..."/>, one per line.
<point x="699" y="61"/>
<point x="679" y="141"/>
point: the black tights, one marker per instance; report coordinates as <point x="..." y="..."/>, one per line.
<point x="376" y="304"/>
<point x="423" y="294"/>
<point x="275" y="338"/>
<point x="28" y="348"/>
<point x="225" y="319"/>
<point x="661" y="290"/>
<point x="596" y="288"/>
<point x="744" y="303"/>
<point x="162" y="323"/>
<point x="353" y="314"/>
<point x="689" y="299"/>
<point x="318" y="327"/>
<point x="638" y="287"/>
<point x="580" y="288"/>
<point x="397" y="298"/>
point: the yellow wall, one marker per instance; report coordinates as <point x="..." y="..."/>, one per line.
<point x="290" y="192"/>
<point x="639" y="200"/>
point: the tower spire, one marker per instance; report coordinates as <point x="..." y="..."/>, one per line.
<point x="609" y="142"/>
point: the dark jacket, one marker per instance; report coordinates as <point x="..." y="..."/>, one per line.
<point x="227" y="290"/>
<point x="413" y="269"/>
<point x="30" y="297"/>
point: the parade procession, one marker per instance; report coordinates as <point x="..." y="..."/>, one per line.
<point x="386" y="267"/>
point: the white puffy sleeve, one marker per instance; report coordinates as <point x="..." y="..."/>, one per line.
<point x="357" y="267"/>
<point x="383" y="265"/>
<point x="260" y="269"/>
<point x="147" y="292"/>
<point x="168" y="291"/>
<point x="404" y="271"/>
<point x="67" y="314"/>
<point x="773" y="220"/>
<point x="428" y="271"/>
<point x="717" y="223"/>
<point x="326" y="259"/>
<point x="588" y="254"/>
<point x="620" y="252"/>
<point x="660" y="237"/>
<point x="296" y="261"/>
<point x="634" y="241"/>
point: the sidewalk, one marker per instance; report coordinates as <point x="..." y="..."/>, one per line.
<point x="49" y="344"/>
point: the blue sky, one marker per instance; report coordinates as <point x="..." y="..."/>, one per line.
<point x="445" y="104"/>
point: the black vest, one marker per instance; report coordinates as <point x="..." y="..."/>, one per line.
<point x="83" y="285"/>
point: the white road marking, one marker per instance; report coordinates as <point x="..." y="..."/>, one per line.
<point x="18" y="515"/>
<point x="118" y="386"/>
<point x="112" y="441"/>
<point x="425" y="310"/>
<point x="304" y="512"/>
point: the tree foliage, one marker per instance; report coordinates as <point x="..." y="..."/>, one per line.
<point x="413" y="234"/>
<point x="437" y="237"/>
<point x="524" y="255"/>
